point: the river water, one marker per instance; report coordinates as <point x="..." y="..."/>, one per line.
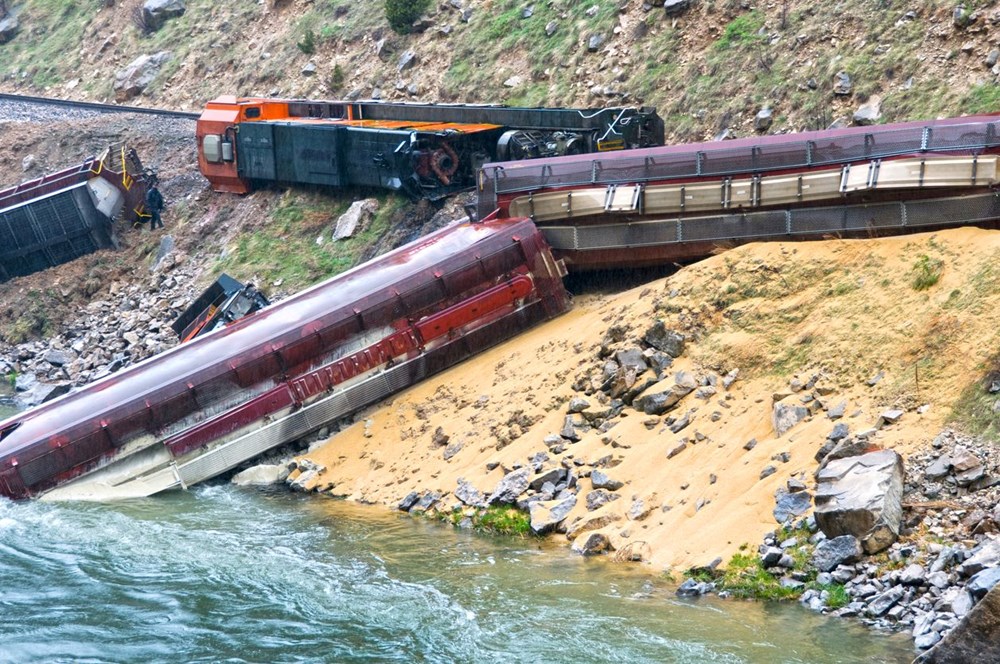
<point x="222" y="574"/>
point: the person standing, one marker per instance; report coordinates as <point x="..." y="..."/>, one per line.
<point x="154" y="205"/>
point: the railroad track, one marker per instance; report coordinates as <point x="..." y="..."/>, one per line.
<point x="100" y="108"/>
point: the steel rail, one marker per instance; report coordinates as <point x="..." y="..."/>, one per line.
<point x="99" y="108"/>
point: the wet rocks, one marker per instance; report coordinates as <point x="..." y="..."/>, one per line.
<point x="975" y="639"/>
<point x="547" y="515"/>
<point x="589" y="544"/>
<point x="862" y="496"/>
<point x="261" y="475"/>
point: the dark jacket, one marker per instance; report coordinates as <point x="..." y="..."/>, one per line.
<point x="154" y="200"/>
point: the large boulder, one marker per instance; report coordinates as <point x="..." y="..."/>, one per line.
<point x="785" y="416"/>
<point x="862" y="496"/>
<point x="356" y="218"/>
<point x="546" y="515"/>
<point x="8" y="29"/>
<point x="155" y="13"/>
<point x="836" y="551"/>
<point x="138" y="74"/>
<point x="261" y="475"/>
<point x="510" y="487"/>
<point x="976" y="638"/>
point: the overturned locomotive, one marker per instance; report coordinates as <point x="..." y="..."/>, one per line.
<point x="423" y="150"/>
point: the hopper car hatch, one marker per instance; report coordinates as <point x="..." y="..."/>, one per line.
<point x="222" y="303"/>
<point x="423" y="150"/>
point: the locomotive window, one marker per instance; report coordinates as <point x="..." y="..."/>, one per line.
<point x="250" y="113"/>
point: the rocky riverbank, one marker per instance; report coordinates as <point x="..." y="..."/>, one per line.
<point x="125" y="324"/>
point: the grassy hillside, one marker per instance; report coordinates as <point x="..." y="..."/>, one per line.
<point x="709" y="69"/>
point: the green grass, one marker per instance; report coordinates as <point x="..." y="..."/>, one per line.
<point x="503" y="521"/>
<point x="741" y="31"/>
<point x="926" y="272"/>
<point x="285" y="248"/>
<point x="983" y="98"/>
<point x="746" y="578"/>
<point x="973" y="410"/>
<point x="496" y="520"/>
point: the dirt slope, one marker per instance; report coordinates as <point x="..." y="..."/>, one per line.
<point x="840" y="311"/>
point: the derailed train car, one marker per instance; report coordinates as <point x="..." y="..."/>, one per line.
<point x="63" y="215"/>
<point x="683" y="201"/>
<point x="423" y="150"/>
<point x="207" y="405"/>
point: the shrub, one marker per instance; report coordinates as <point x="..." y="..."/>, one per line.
<point x="925" y="272"/>
<point x="308" y="43"/>
<point x="336" y="80"/>
<point x="402" y="13"/>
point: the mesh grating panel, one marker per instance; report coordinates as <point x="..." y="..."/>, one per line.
<point x="777" y="223"/>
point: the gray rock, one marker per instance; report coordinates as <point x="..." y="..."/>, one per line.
<point x="675" y="7"/>
<point x="131" y="81"/>
<point x="632" y="358"/>
<point x="880" y="604"/>
<point x="569" y="431"/>
<point x="992" y="58"/>
<point x="552" y="475"/>
<point x="771" y="556"/>
<point x="57" y="358"/>
<point x="662" y="339"/>
<point x="785" y="416"/>
<point x="913" y="575"/>
<point x="955" y="600"/>
<point x="842" y="84"/>
<point x="452" y="450"/>
<point x="862" y="496"/>
<point x="768" y="471"/>
<point x="8" y="29"/>
<point x="427" y="501"/>
<point x="309" y="69"/>
<point x="512" y="485"/>
<point x="156" y="13"/>
<point x="836" y="551"/>
<point x="261" y="475"/>
<point x="546" y="515"/>
<point x="590" y="544"/>
<point x="676" y="449"/>
<point x="982" y="582"/>
<point x="469" y="494"/>
<point x="661" y="402"/>
<point x="867" y="114"/>
<point x="680" y="424"/>
<point x="595" y="42"/>
<point x="356" y="219"/>
<point x="550" y="28"/>
<point x="791" y="504"/>
<point x="407" y="60"/>
<point x="926" y="640"/>
<point x="839" y="432"/>
<point x="987" y="554"/>
<point x="763" y="119"/>
<point x="600" y="480"/>
<point x="837" y="412"/>
<point x="599" y="498"/>
<point x="409" y="501"/>
<point x="938" y="468"/>
<point x="577" y="405"/>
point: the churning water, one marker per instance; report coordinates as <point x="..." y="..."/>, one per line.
<point x="233" y="575"/>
